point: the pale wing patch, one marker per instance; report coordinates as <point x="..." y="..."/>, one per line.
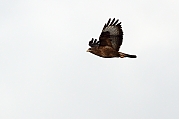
<point x="113" y="30"/>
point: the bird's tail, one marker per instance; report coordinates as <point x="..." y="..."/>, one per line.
<point x="122" y="55"/>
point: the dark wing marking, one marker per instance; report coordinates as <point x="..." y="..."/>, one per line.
<point x="116" y="22"/>
<point x="112" y="32"/>
<point x="104" y="39"/>
<point x="108" y="22"/>
<point x="94" y="43"/>
<point x="112" y="22"/>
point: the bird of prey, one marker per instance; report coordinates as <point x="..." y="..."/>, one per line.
<point x="109" y="42"/>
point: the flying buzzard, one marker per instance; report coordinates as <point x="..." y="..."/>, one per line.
<point x="109" y="42"/>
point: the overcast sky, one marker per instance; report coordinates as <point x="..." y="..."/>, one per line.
<point x="45" y="71"/>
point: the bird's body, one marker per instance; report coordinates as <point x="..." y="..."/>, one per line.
<point x="104" y="51"/>
<point x="109" y="42"/>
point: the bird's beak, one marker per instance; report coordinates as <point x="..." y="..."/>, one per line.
<point x="88" y="50"/>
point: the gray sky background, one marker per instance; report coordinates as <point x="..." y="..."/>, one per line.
<point x="45" y="71"/>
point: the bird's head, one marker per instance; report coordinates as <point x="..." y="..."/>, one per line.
<point x="89" y="50"/>
<point x="94" y="50"/>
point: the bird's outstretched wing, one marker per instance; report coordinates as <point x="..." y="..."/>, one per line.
<point x="112" y="34"/>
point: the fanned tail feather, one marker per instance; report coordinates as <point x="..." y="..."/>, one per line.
<point x="131" y="56"/>
<point x="122" y="55"/>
